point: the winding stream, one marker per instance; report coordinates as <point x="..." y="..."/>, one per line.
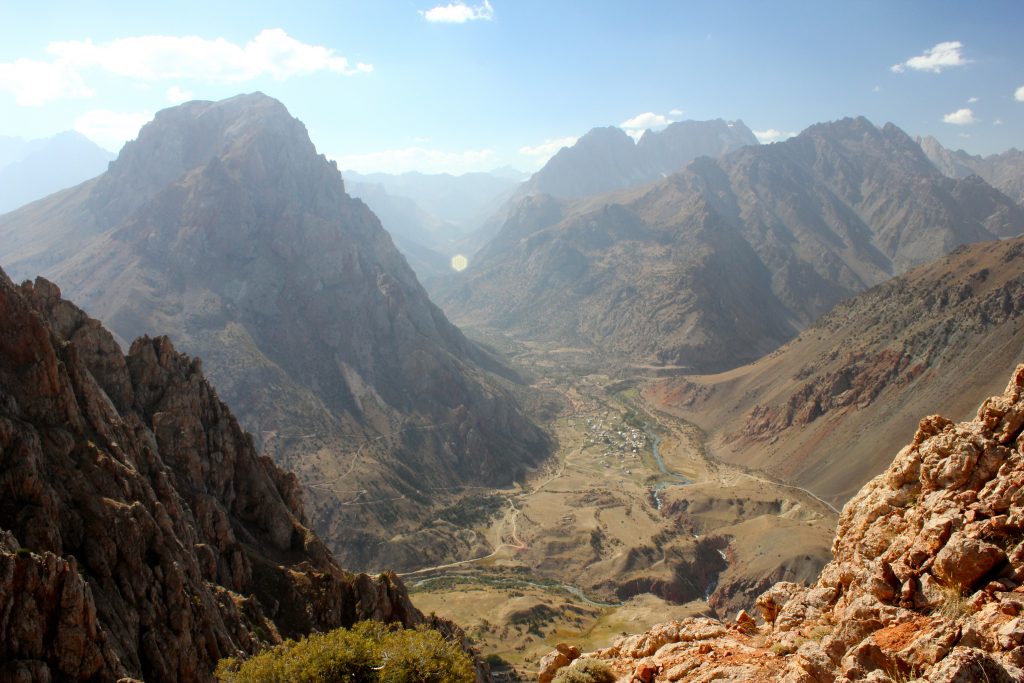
<point x="682" y="481"/>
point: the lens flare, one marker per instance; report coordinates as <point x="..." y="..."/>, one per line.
<point x="459" y="263"/>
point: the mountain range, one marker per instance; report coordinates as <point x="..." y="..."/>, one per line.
<point x="31" y="170"/>
<point x="726" y="260"/>
<point x="223" y="228"/>
<point x="607" y="159"/>
<point x="1004" y="171"/>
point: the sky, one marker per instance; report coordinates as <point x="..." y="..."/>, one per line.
<point x="450" y="86"/>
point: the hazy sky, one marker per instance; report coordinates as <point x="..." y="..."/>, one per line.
<point x="401" y="85"/>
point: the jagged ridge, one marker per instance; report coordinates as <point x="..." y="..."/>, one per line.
<point x="140" y="532"/>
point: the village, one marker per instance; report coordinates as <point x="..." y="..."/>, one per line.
<point x="616" y="439"/>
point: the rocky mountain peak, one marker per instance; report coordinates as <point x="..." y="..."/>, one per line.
<point x="253" y="127"/>
<point x="607" y="159"/>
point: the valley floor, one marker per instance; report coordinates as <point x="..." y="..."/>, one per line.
<point x="629" y="524"/>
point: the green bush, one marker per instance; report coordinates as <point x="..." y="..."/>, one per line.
<point x="585" y="670"/>
<point x="371" y="652"/>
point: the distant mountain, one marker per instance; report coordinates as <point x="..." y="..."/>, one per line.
<point x="430" y="215"/>
<point x="410" y="226"/>
<point x="607" y="159"/>
<point x="223" y="227"/>
<point x="721" y="263"/>
<point x="41" y="167"/>
<point x="454" y="199"/>
<point x="827" y="409"/>
<point x="1003" y="171"/>
<point x="141" y="534"/>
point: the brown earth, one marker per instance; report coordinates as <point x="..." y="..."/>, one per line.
<point x="925" y="582"/>
<point x="822" y="411"/>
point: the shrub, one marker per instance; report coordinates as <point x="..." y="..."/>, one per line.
<point x="586" y="670"/>
<point x="371" y="652"/>
<point x="954" y="603"/>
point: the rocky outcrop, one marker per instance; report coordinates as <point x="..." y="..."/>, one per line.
<point x="926" y="581"/>
<point x="141" y="534"/>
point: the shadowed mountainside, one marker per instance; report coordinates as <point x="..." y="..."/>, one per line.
<point x="140" y="532"/>
<point x="221" y="226"/>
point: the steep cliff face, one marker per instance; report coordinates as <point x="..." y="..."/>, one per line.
<point x="926" y="581"/>
<point x="140" y="532"/>
<point x="223" y="228"/>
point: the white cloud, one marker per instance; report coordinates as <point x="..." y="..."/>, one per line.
<point x="877" y="88"/>
<point x="35" y="83"/>
<point x="176" y="95"/>
<point x="941" y="56"/>
<point x="997" y="122"/>
<point x="961" y="117"/>
<point x="642" y="122"/>
<point x="675" y="112"/>
<point x="772" y="135"/>
<point x="972" y="100"/>
<point x="271" y="53"/>
<point x="418" y="159"/>
<point x="111" y="129"/>
<point x="459" y="13"/>
<point x="1019" y="94"/>
<point x="548" y="148"/>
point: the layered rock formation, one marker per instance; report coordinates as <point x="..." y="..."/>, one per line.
<point x="823" y="410"/>
<point x="725" y="261"/>
<point x="926" y="581"/>
<point x="141" y="534"/>
<point x="222" y="227"/>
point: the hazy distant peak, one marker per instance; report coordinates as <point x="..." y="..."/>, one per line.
<point x="607" y="159"/>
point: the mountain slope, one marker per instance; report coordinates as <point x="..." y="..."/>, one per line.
<point x="824" y="410"/>
<point x="727" y="259"/>
<point x="924" y="584"/>
<point x="226" y="229"/>
<point x="140" y="532"/>
<point x="1003" y="171"/>
<point x="48" y="166"/>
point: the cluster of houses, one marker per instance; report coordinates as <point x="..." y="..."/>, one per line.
<point x="616" y="439"/>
